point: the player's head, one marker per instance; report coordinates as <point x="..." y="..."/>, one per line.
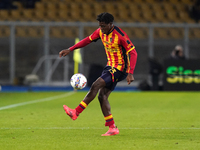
<point x="105" y="17"/>
<point x="105" y="22"/>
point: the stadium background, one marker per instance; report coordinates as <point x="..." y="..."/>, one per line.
<point x="30" y="29"/>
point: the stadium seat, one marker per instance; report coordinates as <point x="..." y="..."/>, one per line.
<point x="156" y="8"/>
<point x="168" y="7"/>
<point x="35" y="31"/>
<point x="111" y="8"/>
<point x="123" y="6"/>
<point x="16" y="15"/>
<point x="5" y="15"/>
<point x="60" y="32"/>
<point x="21" y="31"/>
<point x="77" y="1"/>
<point x="144" y="7"/>
<point x="172" y="16"/>
<point x="98" y="8"/>
<point x="187" y="2"/>
<point x="74" y="6"/>
<point x="135" y="13"/>
<point x="161" y="33"/>
<point x="44" y="1"/>
<point x="194" y="33"/>
<point x="27" y="14"/>
<point x="89" y="30"/>
<point x="123" y="16"/>
<point x="135" y="1"/>
<point x="149" y="1"/>
<point x="62" y="6"/>
<point x="55" y="32"/>
<point x="176" y="2"/>
<point x="180" y="7"/>
<point x="88" y="16"/>
<point x="63" y="15"/>
<point x="51" y="0"/>
<point x="51" y="16"/>
<point x="161" y="17"/>
<point x="39" y="6"/>
<point x="129" y="32"/>
<point x="140" y="33"/>
<point x="76" y="16"/>
<point x="70" y="32"/>
<point x="52" y="6"/>
<point x="86" y="7"/>
<point x="4" y="31"/>
<point x="176" y="33"/>
<point x="184" y="17"/>
<point x="149" y="17"/>
<point x="39" y="15"/>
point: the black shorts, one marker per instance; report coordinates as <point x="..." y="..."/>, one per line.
<point x="111" y="76"/>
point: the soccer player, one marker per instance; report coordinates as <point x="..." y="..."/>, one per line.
<point x="121" y="55"/>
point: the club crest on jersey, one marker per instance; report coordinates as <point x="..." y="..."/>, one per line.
<point x="111" y="39"/>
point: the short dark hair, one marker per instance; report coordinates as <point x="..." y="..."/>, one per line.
<point x="105" y="17"/>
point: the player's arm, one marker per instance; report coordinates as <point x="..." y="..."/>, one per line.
<point x="133" y="59"/>
<point x="93" y="37"/>
<point x="80" y="44"/>
<point x="130" y="48"/>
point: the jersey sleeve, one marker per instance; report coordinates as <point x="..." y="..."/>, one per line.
<point x="93" y="37"/>
<point x="130" y="49"/>
<point x="80" y="44"/>
<point x="133" y="60"/>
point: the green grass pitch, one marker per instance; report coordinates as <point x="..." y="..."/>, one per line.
<point x="146" y="120"/>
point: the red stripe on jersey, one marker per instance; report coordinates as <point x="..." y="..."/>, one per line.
<point x="123" y="65"/>
<point x="109" y="59"/>
<point x="116" y="60"/>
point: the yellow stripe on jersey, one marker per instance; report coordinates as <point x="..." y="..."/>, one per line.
<point x="104" y="38"/>
<point x="84" y="104"/>
<point x="128" y="69"/>
<point x="130" y="49"/>
<point x="109" y="50"/>
<point x="108" y="117"/>
<point x="100" y="34"/>
<point x="119" y="55"/>
<point x="90" y="38"/>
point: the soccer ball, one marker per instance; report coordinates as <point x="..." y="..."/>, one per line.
<point x="78" y="81"/>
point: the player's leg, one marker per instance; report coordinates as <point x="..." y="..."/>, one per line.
<point x="103" y="100"/>
<point x="106" y="110"/>
<point x="74" y="113"/>
<point x="98" y="84"/>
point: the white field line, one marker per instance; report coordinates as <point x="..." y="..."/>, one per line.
<point x="87" y="128"/>
<point x="37" y="101"/>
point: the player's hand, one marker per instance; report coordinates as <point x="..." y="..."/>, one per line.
<point x="130" y="78"/>
<point x="64" y="52"/>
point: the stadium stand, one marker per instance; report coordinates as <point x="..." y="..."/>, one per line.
<point x="143" y="11"/>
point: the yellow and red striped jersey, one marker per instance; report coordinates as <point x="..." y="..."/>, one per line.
<point x="117" y="47"/>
